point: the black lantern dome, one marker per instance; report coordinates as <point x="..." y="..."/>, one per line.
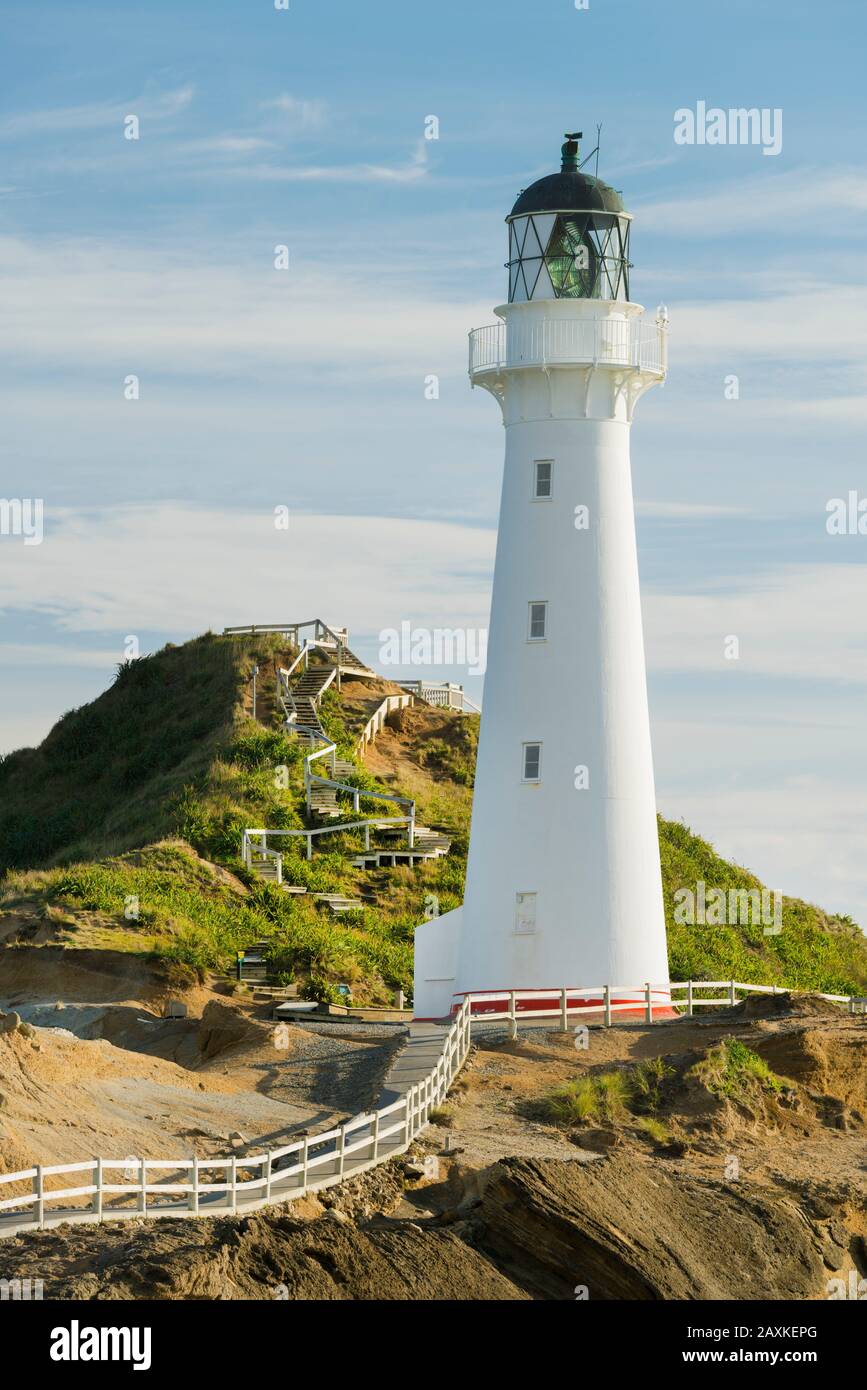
<point x="569" y="236"/>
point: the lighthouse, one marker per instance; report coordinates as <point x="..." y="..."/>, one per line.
<point x="563" y="878"/>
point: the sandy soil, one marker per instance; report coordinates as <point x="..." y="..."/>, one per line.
<point x="821" y="1139"/>
<point x="119" y="1080"/>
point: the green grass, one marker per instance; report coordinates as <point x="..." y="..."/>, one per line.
<point x="610" y="1096"/>
<point x="814" y="950"/>
<point x="168" y="751"/>
<point x="734" y="1071"/>
<point x="654" y="1129"/>
<point x="187" y="915"/>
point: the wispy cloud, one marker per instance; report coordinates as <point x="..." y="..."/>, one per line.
<point x="297" y="111"/>
<point x="776" y="201"/>
<point x="227" y="144"/>
<point x="415" y="168"/>
<point x="134" y="309"/>
<point x="794" y="623"/>
<point x="96" y="115"/>
<point x="163" y="575"/>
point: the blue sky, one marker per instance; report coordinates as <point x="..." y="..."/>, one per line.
<point x="305" y="387"/>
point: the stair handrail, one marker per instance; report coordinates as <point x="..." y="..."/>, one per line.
<point x="248" y="848"/>
<point x="290" y="629"/>
<point x="378" y="718"/>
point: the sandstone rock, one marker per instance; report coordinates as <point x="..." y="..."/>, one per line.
<point x="9" y="1023"/>
<point x="627" y="1229"/>
<point x="596" y="1140"/>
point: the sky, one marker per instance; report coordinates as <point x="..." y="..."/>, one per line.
<point x="261" y="387"/>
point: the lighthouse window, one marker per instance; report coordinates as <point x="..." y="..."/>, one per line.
<point x="538" y="625"/>
<point x="532" y="762"/>
<point x="543" y="470"/>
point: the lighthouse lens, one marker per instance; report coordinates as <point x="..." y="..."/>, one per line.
<point x="572" y="260"/>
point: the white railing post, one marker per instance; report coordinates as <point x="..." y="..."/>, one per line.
<point x="341" y="1151"/>
<point x="194" y="1195"/>
<point x="310" y="845"/>
<point x="513" y="1015"/>
<point x="267" y="1167"/>
<point x="689" y="1005"/>
<point x="39" y="1189"/>
<point x="305" y="1163"/>
<point x="375" y="1135"/>
<point x="564" y="1011"/>
<point x="97" y="1182"/>
<point x="607" y="998"/>
<point x="234" y="1194"/>
<point x="142" y="1196"/>
<point x="648" y="1003"/>
<point x="733" y="998"/>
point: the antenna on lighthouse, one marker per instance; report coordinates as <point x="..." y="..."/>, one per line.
<point x="593" y="151"/>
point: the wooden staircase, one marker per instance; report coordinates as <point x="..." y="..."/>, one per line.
<point x="400" y="841"/>
<point x="427" y="845"/>
<point x="323" y="800"/>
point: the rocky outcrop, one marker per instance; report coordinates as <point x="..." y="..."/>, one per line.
<point x="625" y="1229"/>
<point x="273" y="1256"/>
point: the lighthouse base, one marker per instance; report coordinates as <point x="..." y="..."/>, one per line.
<point x="437" y="947"/>
<point x="625" y="1005"/>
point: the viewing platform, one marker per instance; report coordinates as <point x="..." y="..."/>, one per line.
<point x="567" y="342"/>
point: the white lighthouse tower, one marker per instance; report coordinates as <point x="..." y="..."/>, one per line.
<point x="563" y="880"/>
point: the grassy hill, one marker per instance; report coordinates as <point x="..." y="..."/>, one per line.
<point x="123" y="829"/>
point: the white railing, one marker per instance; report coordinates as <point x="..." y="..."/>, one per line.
<point x="322" y="1160"/>
<point x="443" y="694"/>
<point x="376" y="722"/>
<point x="609" y="1000"/>
<point x="322" y="633"/>
<point x="250" y="849"/>
<point x="568" y="342"/>
<point x="246" y="1184"/>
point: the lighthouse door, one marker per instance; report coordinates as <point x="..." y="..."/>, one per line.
<point x="525" y="913"/>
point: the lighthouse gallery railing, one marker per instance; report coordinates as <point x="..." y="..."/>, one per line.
<point x="568" y="342"/>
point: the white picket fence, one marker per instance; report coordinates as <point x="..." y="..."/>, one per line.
<point x="322" y="1160"/>
<point x="216" y="1186"/>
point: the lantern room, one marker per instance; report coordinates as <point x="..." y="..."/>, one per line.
<point x="569" y="237"/>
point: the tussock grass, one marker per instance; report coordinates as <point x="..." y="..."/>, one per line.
<point x="608" y="1097"/>
<point x="732" y="1070"/>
